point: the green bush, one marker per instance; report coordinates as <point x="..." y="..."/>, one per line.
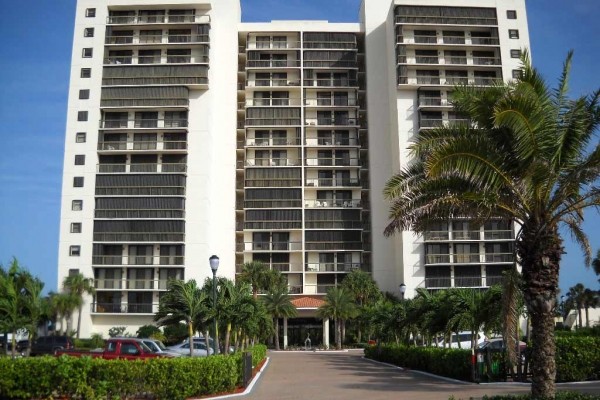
<point x="577" y="357"/>
<point x="94" y="378"/>
<point x="453" y="363"/>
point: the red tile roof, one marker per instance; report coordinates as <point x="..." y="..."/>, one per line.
<point x="307" y="302"/>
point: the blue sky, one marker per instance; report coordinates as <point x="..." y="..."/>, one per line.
<point x="34" y="76"/>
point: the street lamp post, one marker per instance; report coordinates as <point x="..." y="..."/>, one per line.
<point x="214" y="266"/>
<point x="402" y="291"/>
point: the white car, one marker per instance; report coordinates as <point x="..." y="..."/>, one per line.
<point x="464" y="338"/>
<point x="184" y="349"/>
<point x="159" y="348"/>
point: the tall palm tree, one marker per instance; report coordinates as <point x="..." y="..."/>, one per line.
<point x="183" y="301"/>
<point x="78" y="285"/>
<point x="278" y="303"/>
<point x="254" y="273"/>
<point x="589" y="299"/>
<point x="596" y="264"/>
<point x="64" y="305"/>
<point x="530" y="156"/>
<point x="338" y="306"/>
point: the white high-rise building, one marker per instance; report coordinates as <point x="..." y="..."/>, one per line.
<point x="190" y="133"/>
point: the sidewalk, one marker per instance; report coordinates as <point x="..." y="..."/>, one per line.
<point x="347" y="376"/>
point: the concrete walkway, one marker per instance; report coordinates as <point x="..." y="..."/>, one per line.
<point x="347" y="376"/>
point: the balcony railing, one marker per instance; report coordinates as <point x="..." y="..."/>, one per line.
<point x="328" y="102"/>
<point x="139" y="237"/>
<point x="144" y="103"/>
<point x="466" y="235"/>
<point x="432" y="101"/>
<point x="276" y="101"/>
<point x="269" y="246"/>
<point x="424" y="39"/>
<point x="273" y="182"/>
<point x="430" y="123"/>
<point x="332" y="182"/>
<point x="444" y="20"/>
<point x="332" y="203"/>
<point x="456" y="80"/>
<point x="458" y="281"/>
<point x="333" y="245"/>
<point x="498" y="235"/>
<point x="141" y="168"/>
<point x="317" y="289"/>
<point x="156" y="19"/>
<point x="426" y="60"/>
<point x="331" y="267"/>
<point x="272" y="121"/>
<point x="272" y="142"/>
<point x="331" y="82"/>
<point x="488" y="41"/>
<point x="453" y="39"/>
<point x="170" y="81"/>
<point x="330" y="64"/>
<point x="273" y="225"/>
<point x="134" y="213"/>
<point x="332" y="162"/>
<point x="271" y="162"/>
<point x="143" y="123"/>
<point x="330" y="45"/>
<point x="333" y="121"/>
<point x="169" y="59"/>
<point x="143" y="145"/>
<point x="273" y="64"/>
<point x="334" y="224"/>
<point x="499" y="257"/>
<point x="469" y="258"/>
<point x="428" y="80"/>
<point x="291" y="203"/>
<point x="486" y="81"/>
<point x="124" y="308"/>
<point x="351" y="141"/>
<point x="456" y="60"/>
<point x="486" y="61"/>
<point x="291" y="44"/>
<point x="437" y="258"/>
<point x="138" y="260"/>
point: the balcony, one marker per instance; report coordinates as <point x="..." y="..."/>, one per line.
<point x="264" y="64"/>
<point x="426" y="60"/>
<point x="457" y="281"/>
<point x="444" y="20"/>
<point x="140" y="191"/>
<point x="334" y="224"/>
<point x="141" y="168"/>
<point x="269" y="246"/>
<point x="156" y="59"/>
<point x="275" y="101"/>
<point x="482" y="81"/>
<point x="456" y="60"/>
<point x="141" y="145"/>
<point x="347" y="83"/>
<point x="250" y="142"/>
<point x="273" y="182"/>
<point x="272" y="122"/>
<point x="157" y="19"/>
<point x="262" y="225"/>
<point x="350" y="64"/>
<point x="331" y="102"/>
<point x="124" y="308"/>
<point x="422" y="39"/>
<point x="139" y="214"/>
<point x="486" y="61"/>
<point x="469" y="258"/>
<point x="138" y="237"/>
<point x="466" y="235"/>
<point x="437" y="258"/>
<point x="332" y="162"/>
<point x="333" y="245"/>
<point x="498" y="235"/>
<point x="275" y="45"/>
<point x="428" y="80"/>
<point x="121" y="103"/>
<point x="425" y="123"/>
<point x="453" y="39"/>
<point x="499" y="258"/>
<point x="138" y="260"/>
<point x="333" y="141"/>
<point x="486" y="41"/>
<point x="317" y="289"/>
<point x="291" y="203"/>
<point x="332" y="182"/>
<point x="456" y="80"/>
<point x="144" y="124"/>
<point x="433" y="102"/>
<point x="332" y="203"/>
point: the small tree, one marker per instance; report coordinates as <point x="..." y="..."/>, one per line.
<point x="78" y="285"/>
<point x="339" y="306"/>
<point x="147" y="331"/>
<point x="278" y="303"/>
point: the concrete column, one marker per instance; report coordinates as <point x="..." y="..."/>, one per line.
<point x="285" y="336"/>
<point x="326" y="333"/>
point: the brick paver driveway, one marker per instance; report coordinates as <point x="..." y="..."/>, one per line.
<point x="347" y="376"/>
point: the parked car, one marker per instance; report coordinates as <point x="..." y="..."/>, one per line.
<point x="50" y="345"/>
<point x="159" y="348"/>
<point x="117" y="348"/>
<point x="464" y="338"/>
<point x="184" y="349"/>
<point x="211" y="343"/>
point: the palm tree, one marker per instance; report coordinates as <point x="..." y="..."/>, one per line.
<point x="596" y="264"/>
<point x="254" y="273"/>
<point x="363" y="289"/>
<point x="78" y="285"/>
<point x="64" y="305"/>
<point x="278" y="303"/>
<point x="589" y="299"/>
<point x="183" y="301"/>
<point x="575" y="300"/>
<point x="530" y="157"/>
<point x="338" y="306"/>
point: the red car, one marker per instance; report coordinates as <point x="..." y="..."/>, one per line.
<point x="116" y="348"/>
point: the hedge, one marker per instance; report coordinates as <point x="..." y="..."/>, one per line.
<point x="577" y="358"/>
<point x="559" y="396"/>
<point x="93" y="378"/>
<point x="453" y="363"/>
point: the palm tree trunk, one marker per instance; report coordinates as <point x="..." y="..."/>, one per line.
<point x="587" y="317"/>
<point x="207" y="342"/>
<point x="580" y="315"/>
<point x="227" y="336"/>
<point x="191" y="334"/>
<point x="338" y="334"/>
<point x="541" y="245"/>
<point x="79" y="320"/>
<point x="276" y="333"/>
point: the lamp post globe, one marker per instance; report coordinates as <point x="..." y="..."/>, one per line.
<point x="402" y="291"/>
<point x="214" y="266"/>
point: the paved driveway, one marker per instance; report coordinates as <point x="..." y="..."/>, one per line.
<point x="347" y="376"/>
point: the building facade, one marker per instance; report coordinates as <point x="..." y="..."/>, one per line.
<point x="190" y="133"/>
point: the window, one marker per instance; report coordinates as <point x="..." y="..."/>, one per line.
<point x="80" y="159"/>
<point x="74" y="251"/>
<point x="87" y="52"/>
<point x="73" y="271"/>
<point x="86" y="72"/>
<point x="84" y="94"/>
<point x="80" y="137"/>
<point x="513" y="33"/>
<point x="82" y="116"/>
<point x="77" y="205"/>
<point x="90" y="12"/>
<point x="88" y="32"/>
<point x="76" y="227"/>
<point x="517" y="73"/>
<point x="511" y="14"/>
<point x="78" y="181"/>
<point x="515" y="53"/>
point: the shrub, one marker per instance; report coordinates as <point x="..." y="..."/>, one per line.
<point x="96" y="378"/>
<point x="147" y="331"/>
<point x="453" y="363"/>
<point x="577" y="357"/>
<point x="559" y="396"/>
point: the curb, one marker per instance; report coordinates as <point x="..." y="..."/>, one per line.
<point x="248" y="389"/>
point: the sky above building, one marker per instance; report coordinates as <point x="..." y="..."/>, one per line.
<point x="34" y="77"/>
